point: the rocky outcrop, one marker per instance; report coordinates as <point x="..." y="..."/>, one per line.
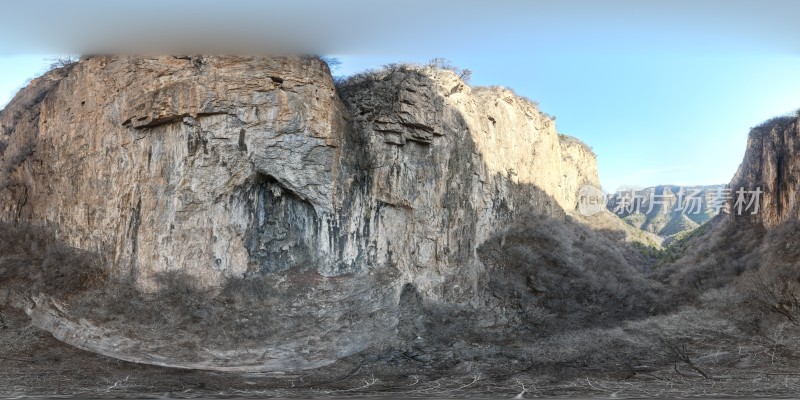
<point x="240" y="167"/>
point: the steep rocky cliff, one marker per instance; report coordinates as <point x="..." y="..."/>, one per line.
<point x="230" y="168"/>
<point x="579" y="167"/>
<point x="771" y="165"/>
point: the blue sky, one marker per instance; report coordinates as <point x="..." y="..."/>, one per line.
<point x="665" y="92"/>
<point x="17" y="69"/>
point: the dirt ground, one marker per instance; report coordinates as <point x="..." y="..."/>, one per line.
<point x="33" y="363"/>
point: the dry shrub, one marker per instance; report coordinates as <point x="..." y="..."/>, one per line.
<point x="777" y="122"/>
<point x="63" y="61"/>
<point x="243" y="310"/>
<point x="713" y="259"/>
<point x="360" y="81"/>
<point x="604" y="349"/>
<point x="33" y="262"/>
<point x="769" y="286"/>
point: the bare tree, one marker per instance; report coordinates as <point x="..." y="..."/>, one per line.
<point x="333" y="62"/>
<point x="443" y="63"/>
<point x="776" y="290"/>
<point x="681" y="353"/>
<point x="465" y="75"/>
<point x="63" y="61"/>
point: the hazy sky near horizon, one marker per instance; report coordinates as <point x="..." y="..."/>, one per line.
<point x="664" y="93"/>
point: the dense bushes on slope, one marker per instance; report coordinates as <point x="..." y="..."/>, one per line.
<point x="558" y="274"/>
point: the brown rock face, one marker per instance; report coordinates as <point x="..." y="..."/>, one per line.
<point x="771" y="163"/>
<point x="237" y="167"/>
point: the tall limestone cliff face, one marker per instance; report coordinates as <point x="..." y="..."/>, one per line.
<point x="234" y="167"/>
<point x="579" y="168"/>
<point x="450" y="166"/>
<point x="771" y="163"/>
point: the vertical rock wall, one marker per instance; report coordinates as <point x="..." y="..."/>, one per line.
<point x="771" y="164"/>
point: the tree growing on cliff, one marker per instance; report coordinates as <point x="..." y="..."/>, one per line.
<point x="63" y="61"/>
<point x="332" y="62"/>
<point x="443" y="63"/>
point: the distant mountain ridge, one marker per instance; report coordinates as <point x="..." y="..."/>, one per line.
<point x="668" y="210"/>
